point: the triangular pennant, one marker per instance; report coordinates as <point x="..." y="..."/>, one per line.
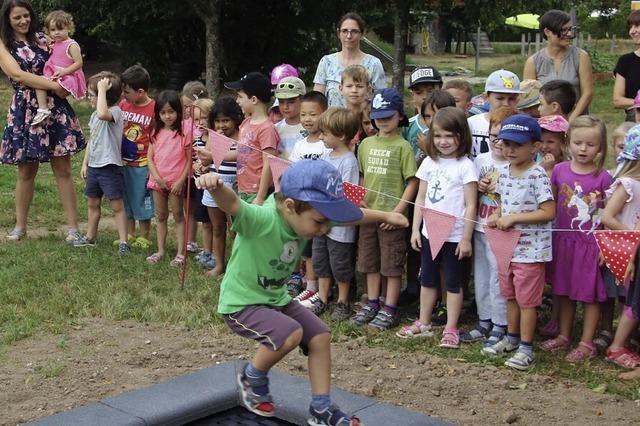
<point x="354" y="193"/>
<point x="220" y="145"/>
<point x="278" y="166"/>
<point x="439" y="226"/>
<point x="618" y="249"/>
<point x="503" y="244"/>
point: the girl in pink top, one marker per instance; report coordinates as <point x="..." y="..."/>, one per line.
<point x="168" y="168"/>
<point x="64" y="64"/>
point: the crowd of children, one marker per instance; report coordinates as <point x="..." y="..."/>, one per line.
<point x="505" y="160"/>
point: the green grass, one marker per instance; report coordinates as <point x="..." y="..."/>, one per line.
<point x="46" y="287"/>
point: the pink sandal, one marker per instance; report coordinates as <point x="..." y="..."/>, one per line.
<point x="450" y="339"/>
<point x="417" y="329"/>
<point x="177" y="261"/>
<point x="560" y="343"/>
<point x="154" y="258"/>
<point x="582" y="352"/>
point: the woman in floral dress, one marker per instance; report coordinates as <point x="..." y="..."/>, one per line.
<point x="23" y="52"/>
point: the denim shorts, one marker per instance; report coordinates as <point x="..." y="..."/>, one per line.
<point x="105" y="181"/>
<point x="138" y="202"/>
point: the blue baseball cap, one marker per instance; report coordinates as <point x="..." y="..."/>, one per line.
<point x="319" y="183"/>
<point x="520" y="128"/>
<point x="385" y="103"/>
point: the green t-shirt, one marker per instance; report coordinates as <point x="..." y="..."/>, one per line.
<point x="265" y="253"/>
<point x="386" y="164"/>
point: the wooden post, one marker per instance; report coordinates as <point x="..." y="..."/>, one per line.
<point x="537" y="41"/>
<point x="477" y="67"/>
<point x="612" y="46"/>
<point x="522" y="36"/>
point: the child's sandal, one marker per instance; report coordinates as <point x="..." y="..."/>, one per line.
<point x="417" y="329"/>
<point x="582" y="352"/>
<point x="560" y="343"/>
<point x="154" y="258"/>
<point x="177" y="261"/>
<point x="450" y="339"/>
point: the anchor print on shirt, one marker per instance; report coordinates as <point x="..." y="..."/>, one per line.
<point x="438" y="183"/>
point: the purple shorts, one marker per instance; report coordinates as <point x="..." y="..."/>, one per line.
<point x="271" y="325"/>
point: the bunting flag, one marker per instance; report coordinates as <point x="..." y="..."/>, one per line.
<point x="439" y="226"/>
<point x="354" y="193"/>
<point x="618" y="249"/>
<point x="503" y="244"/>
<point x="278" y="166"/>
<point x="220" y="146"/>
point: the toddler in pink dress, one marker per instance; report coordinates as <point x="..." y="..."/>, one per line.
<point x="64" y="64"/>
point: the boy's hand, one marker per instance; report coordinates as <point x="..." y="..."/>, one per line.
<point x="394" y="220"/>
<point x="483" y="184"/>
<point x="104" y="84"/>
<point x="204" y="155"/>
<point x="504" y="222"/>
<point x="209" y="181"/>
<point x="416" y="241"/>
<point x="421" y="141"/>
<point x="463" y="249"/>
<point x="83" y="172"/>
<point x="548" y="161"/>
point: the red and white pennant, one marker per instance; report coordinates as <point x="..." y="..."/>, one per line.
<point x="618" y="249"/>
<point x="354" y="193"/>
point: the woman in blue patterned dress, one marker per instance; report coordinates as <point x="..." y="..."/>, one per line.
<point x="23" y="52"/>
<point x="329" y="72"/>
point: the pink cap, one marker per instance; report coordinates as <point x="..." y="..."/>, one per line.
<point x="281" y="71"/>
<point x="554" y="123"/>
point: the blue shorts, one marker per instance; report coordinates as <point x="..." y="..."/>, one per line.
<point x="138" y="202"/>
<point x="456" y="272"/>
<point x="105" y="181"/>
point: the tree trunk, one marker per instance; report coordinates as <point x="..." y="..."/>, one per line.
<point x="400" y="30"/>
<point x="209" y="11"/>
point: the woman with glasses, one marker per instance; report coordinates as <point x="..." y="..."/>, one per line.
<point x="560" y="60"/>
<point x="328" y="77"/>
<point x="627" y="70"/>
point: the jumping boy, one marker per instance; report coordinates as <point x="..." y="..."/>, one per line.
<point x="253" y="296"/>
<point x="137" y="108"/>
<point x="258" y="137"/>
<point x="526" y="204"/>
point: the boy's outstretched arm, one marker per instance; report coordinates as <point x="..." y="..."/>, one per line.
<point x="394" y="219"/>
<point x="226" y="199"/>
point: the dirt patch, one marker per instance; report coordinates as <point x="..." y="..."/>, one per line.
<point x="46" y="374"/>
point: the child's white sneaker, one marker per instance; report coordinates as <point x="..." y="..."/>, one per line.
<point x="503" y="346"/>
<point x="521" y="361"/>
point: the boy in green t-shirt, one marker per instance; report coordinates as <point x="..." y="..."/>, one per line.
<point x="253" y="296"/>
<point x="388" y="168"/>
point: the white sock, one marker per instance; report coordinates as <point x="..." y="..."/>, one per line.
<point x="312" y="285"/>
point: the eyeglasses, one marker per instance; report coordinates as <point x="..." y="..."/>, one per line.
<point x="493" y="137"/>
<point x="568" y="30"/>
<point x="347" y="32"/>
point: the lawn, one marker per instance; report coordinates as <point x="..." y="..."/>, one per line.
<point x="46" y="286"/>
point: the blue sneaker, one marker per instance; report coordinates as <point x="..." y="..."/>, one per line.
<point x="261" y="405"/>
<point x="331" y="416"/>
<point x="295" y="286"/>
<point x="206" y="260"/>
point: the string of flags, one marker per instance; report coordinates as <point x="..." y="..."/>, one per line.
<point x="617" y="247"/>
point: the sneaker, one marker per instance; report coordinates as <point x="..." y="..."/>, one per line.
<point x="603" y="340"/>
<point x="477" y="334"/>
<point x="192" y="247"/>
<point x="16" y="234"/>
<point x="364" y="315"/>
<point x="41" y="115"/>
<point x="261" y="405"/>
<point x="73" y="238"/>
<point x="294" y="285"/>
<point x="384" y="320"/>
<point x="309" y="302"/>
<point x="494" y="337"/>
<point x="439" y="316"/>
<point x="124" y="249"/>
<point x="83" y="242"/>
<point x="207" y="261"/>
<point x="501" y="347"/>
<point x="521" y="361"/>
<point x="341" y="312"/>
<point x="331" y="416"/>
<point x="304" y="295"/>
<point x="317" y="306"/>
